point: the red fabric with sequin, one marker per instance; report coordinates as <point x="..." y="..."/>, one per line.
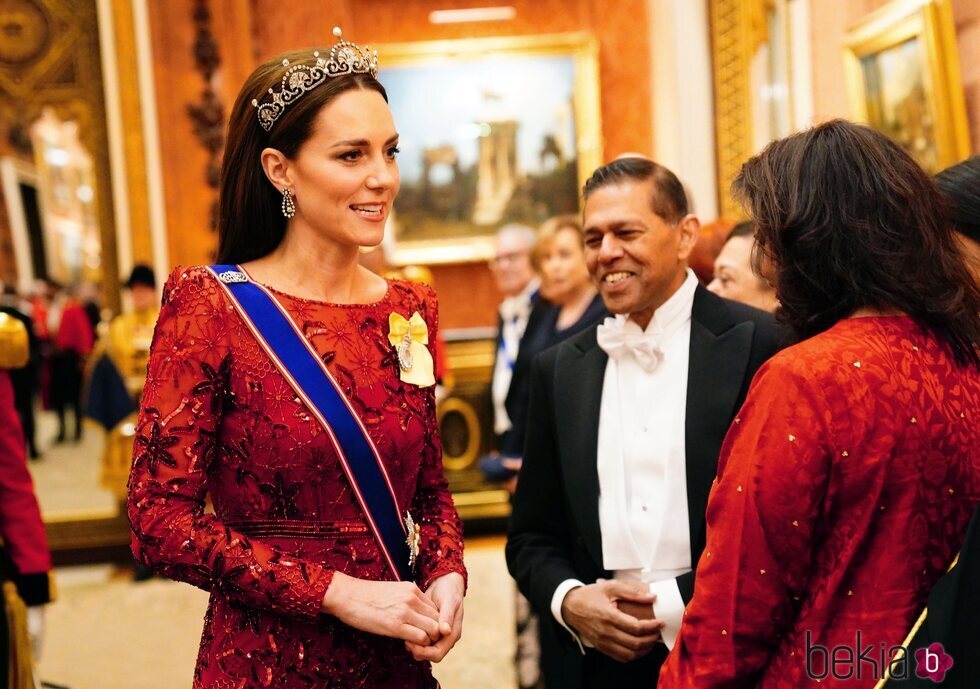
<point x="218" y="419"/>
<point x="844" y="489"/>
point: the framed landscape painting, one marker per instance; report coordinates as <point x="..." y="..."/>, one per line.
<point x="904" y="80"/>
<point x="492" y="131"/>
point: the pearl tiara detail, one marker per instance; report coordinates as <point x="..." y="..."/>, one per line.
<point x="345" y="58"/>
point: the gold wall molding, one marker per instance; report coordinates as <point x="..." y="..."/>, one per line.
<point x="124" y="112"/>
<point x="737" y="29"/>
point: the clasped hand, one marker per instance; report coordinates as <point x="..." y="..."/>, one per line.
<point x="430" y="623"/>
<point x="593" y="612"/>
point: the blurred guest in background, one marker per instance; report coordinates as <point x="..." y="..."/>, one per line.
<point x="25" y="379"/>
<point x="960" y="184"/>
<point x="625" y="423"/>
<point x="130" y="333"/>
<point x="25" y="561"/>
<point x="39" y="304"/>
<point x="569" y="303"/>
<point x="89" y="298"/>
<point x="117" y="375"/>
<point x="847" y="480"/>
<point x="735" y="277"/>
<point x="73" y="341"/>
<point x="513" y="271"/>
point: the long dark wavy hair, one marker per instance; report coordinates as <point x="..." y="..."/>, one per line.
<point x="850" y="221"/>
<point x="251" y="223"/>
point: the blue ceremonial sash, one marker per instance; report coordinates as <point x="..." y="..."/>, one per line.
<point x="306" y="373"/>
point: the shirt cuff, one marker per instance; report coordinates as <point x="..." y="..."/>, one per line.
<point x="557" y="599"/>
<point x="668" y="608"/>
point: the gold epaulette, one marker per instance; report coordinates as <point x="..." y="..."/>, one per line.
<point x="14" y="346"/>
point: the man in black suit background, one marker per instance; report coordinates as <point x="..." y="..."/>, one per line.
<point x="514" y="273"/>
<point x="625" y="426"/>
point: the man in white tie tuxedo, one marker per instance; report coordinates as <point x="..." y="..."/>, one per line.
<point x="625" y="426"/>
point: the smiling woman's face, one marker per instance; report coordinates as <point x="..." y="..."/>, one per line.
<point x="563" y="271"/>
<point x="345" y="176"/>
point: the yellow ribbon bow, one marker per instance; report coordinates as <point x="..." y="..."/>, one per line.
<point x="409" y="338"/>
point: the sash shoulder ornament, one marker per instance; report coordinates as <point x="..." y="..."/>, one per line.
<point x="309" y="377"/>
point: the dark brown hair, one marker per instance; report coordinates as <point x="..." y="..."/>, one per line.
<point x="850" y="221"/>
<point x="960" y="184"/>
<point x="250" y="222"/>
<point x="669" y="200"/>
<point x="743" y="229"/>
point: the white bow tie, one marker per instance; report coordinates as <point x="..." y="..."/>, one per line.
<point x="621" y="338"/>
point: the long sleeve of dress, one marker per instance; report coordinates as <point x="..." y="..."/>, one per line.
<point x="770" y="491"/>
<point x="187" y="389"/>
<point x="441" y="548"/>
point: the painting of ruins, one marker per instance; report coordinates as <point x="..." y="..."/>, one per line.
<point x="486" y="138"/>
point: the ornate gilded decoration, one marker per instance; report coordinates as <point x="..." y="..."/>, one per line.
<point x="461" y="435"/>
<point x="208" y="115"/>
<point x="50" y="57"/>
<point x="26" y="32"/>
<point x="14" y="350"/>
<point x="737" y="28"/>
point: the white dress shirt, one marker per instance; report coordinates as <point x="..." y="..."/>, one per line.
<point x="641" y="462"/>
<point x="514" y="312"/>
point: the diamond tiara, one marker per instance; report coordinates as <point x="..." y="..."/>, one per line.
<point x="345" y="58"/>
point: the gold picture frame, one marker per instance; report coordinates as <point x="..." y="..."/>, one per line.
<point x="493" y="130"/>
<point x="903" y="79"/>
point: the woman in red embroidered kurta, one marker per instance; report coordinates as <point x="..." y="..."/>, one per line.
<point x="301" y="595"/>
<point x="847" y="480"/>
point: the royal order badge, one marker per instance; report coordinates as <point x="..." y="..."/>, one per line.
<point x="413" y="539"/>
<point x="409" y="337"/>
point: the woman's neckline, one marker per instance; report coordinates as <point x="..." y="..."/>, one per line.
<point x="580" y="309"/>
<point x="323" y="302"/>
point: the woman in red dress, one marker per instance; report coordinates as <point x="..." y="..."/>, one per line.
<point x="302" y="594"/>
<point x="847" y="480"/>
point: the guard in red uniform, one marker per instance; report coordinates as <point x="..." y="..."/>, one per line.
<point x="25" y="561"/>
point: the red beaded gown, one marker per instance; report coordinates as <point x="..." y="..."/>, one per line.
<point x="219" y="421"/>
<point x="844" y="490"/>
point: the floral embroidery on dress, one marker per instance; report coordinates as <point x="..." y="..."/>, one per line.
<point x="219" y="420"/>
